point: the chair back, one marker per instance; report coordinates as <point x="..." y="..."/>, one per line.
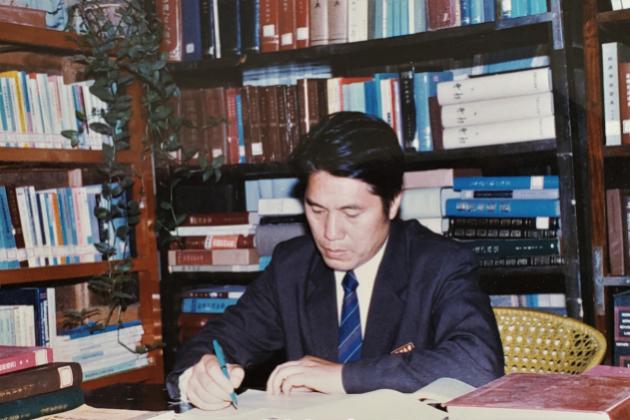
<point x="542" y="342"/>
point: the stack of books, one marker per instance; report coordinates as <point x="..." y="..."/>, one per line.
<point x="201" y="304"/>
<point x="31" y="385"/>
<point x="507" y="221"/>
<point x="221" y="241"/>
<point x="496" y="109"/>
<point x="425" y="193"/>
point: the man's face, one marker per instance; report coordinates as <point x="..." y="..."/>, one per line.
<point x="346" y="219"/>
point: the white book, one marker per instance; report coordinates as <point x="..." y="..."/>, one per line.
<point x="333" y="96"/>
<point x="244" y="229"/>
<point x="51" y="313"/>
<point x="357" y="20"/>
<point x="21" y="194"/>
<point x="419" y="203"/>
<point x="214" y="268"/>
<point x="610" y="87"/>
<point x="36" y="226"/>
<point x="500" y="133"/>
<point x="280" y="206"/>
<point x="546" y="193"/>
<point x="502" y="85"/>
<point x="494" y="110"/>
<point x="616" y="4"/>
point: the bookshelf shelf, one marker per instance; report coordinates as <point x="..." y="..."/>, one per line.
<point x="68" y="157"/>
<point x="617" y="151"/>
<point x="60" y="272"/>
<point x="37" y="38"/>
<point x="408" y="47"/>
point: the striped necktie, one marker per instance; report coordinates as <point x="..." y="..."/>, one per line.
<point x="350" y="341"/>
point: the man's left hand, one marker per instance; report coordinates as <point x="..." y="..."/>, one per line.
<point x="309" y="373"/>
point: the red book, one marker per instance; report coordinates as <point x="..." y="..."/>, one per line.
<point x="14" y="358"/>
<point x="443" y="14"/>
<point x="222" y="218"/>
<point x="244" y="256"/>
<point x="545" y="396"/>
<point x="169" y="13"/>
<point x="254" y="148"/>
<point x="624" y="101"/>
<point x="214" y="122"/>
<point x="286" y="25"/>
<point x="269" y="25"/>
<point x="302" y="27"/>
<point x="232" y="157"/>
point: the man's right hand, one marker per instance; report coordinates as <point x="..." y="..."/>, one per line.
<point x="208" y="388"/>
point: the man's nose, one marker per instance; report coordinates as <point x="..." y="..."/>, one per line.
<point x="333" y="227"/>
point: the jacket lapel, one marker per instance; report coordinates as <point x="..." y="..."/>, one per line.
<point x="386" y="306"/>
<point x="321" y="311"/>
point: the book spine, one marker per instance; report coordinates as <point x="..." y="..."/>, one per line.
<point x="502" y="208"/>
<point x="521" y="261"/>
<point x="189" y="257"/>
<point x="505" y="222"/>
<point x="216" y="134"/>
<point x="302" y="24"/>
<point x="504" y="109"/>
<point x="30" y="382"/>
<point x="518" y="194"/>
<point x="250" y="25"/>
<point x="169" y="13"/>
<point x="206" y="305"/>
<point x="319" y="22"/>
<point x="287" y="24"/>
<point x="512" y="247"/>
<point x="269" y="25"/>
<point x="611" y="91"/>
<point x="25" y="360"/>
<point x="502" y="85"/>
<point x="503" y="132"/>
<point x="357" y="20"/>
<point x="191" y="30"/>
<point x="17" y="225"/>
<point x="496" y="233"/>
<point x="442" y="14"/>
<point x="232" y="126"/>
<point x="255" y="148"/>
<point x="208" y="37"/>
<point x="617" y="225"/>
<point x="337" y="21"/>
<point x="44" y="404"/>
<point x="624" y="101"/>
<point x="502" y="183"/>
<point x="408" y="109"/>
<point x="229" y="27"/>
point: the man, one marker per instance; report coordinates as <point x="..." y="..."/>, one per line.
<point x="365" y="302"/>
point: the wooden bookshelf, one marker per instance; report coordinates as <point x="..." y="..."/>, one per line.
<point x="145" y="265"/>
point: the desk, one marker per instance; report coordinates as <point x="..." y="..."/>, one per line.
<point x="152" y="397"/>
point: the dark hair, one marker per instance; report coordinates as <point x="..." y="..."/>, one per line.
<point x="353" y="145"/>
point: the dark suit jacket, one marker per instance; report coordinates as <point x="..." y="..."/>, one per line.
<point x="426" y="292"/>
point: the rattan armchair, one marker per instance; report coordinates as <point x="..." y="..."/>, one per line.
<point x="536" y="341"/>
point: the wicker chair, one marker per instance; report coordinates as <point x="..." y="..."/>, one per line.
<point x="535" y="341"/>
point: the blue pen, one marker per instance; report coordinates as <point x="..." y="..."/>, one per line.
<point x="218" y="352"/>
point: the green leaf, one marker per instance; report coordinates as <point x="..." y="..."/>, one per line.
<point x="101" y="213"/>
<point x="104" y="248"/>
<point x="122" y="232"/>
<point x="165" y="205"/>
<point x="101" y="128"/>
<point x="73" y="135"/>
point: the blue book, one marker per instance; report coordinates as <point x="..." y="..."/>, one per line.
<point x="537" y="6"/>
<point x="465" y="10"/>
<point x="250" y="25"/>
<point x="489" y="10"/>
<point x="72" y="217"/>
<point x="46" y="404"/>
<point x="487" y="207"/>
<point x="403" y="14"/>
<point x="37" y="298"/>
<point x="240" y="129"/>
<point x="206" y="305"/>
<point x="371" y="98"/>
<point x="191" y="30"/>
<point x="519" y="8"/>
<point x="476" y="11"/>
<point x="6" y="231"/>
<point x="91" y="329"/>
<point x="9" y="89"/>
<point x="420" y="17"/>
<point x="3" y="112"/>
<point x="495" y="183"/>
<point x="391" y="16"/>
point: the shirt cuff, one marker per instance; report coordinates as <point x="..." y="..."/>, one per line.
<point x="184" y="378"/>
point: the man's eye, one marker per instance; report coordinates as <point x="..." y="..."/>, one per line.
<point x="352" y="214"/>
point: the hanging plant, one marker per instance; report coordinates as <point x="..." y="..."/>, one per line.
<point x="121" y="46"/>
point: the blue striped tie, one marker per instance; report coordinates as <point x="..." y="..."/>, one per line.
<point x="350" y="326"/>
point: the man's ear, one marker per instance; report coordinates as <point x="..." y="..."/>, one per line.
<point x="393" y="209"/>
